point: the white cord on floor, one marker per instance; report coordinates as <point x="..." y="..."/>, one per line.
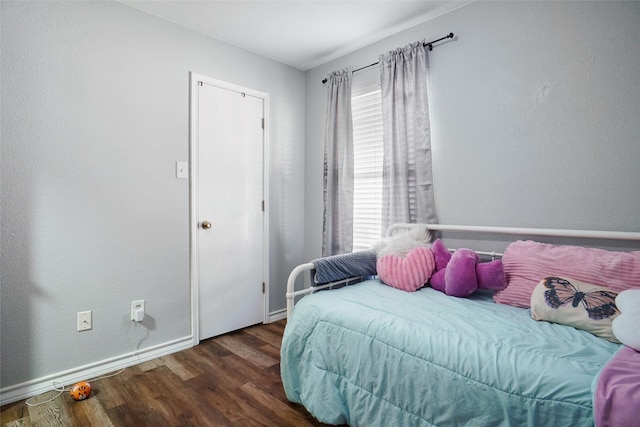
<point x="60" y="388"/>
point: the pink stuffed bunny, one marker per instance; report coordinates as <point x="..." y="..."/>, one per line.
<point x="460" y="274"/>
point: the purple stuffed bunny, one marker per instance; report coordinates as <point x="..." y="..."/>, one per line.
<point x="460" y="274"/>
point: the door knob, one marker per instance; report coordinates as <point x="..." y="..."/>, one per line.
<point x="206" y="225"/>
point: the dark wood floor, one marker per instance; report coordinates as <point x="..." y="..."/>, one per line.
<point x="230" y="380"/>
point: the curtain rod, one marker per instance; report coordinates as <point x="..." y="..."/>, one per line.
<point x="428" y="45"/>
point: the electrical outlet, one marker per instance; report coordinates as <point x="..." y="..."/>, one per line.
<point x="84" y="320"/>
<point x="137" y="310"/>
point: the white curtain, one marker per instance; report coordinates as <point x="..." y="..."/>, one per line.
<point x="337" y="235"/>
<point x="407" y="194"/>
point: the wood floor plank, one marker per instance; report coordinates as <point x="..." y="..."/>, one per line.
<point x="271" y="336"/>
<point x="119" y="416"/>
<point x="199" y="392"/>
<point x="145" y="366"/>
<point x="159" y="386"/>
<point x="137" y="413"/>
<point x="89" y="413"/>
<point x="276" y="327"/>
<point x="222" y="372"/>
<point x="180" y="400"/>
<point x="224" y="403"/>
<point x="182" y="364"/>
<point x="247" y="352"/>
<point x="212" y="347"/>
<point x="174" y="399"/>
<point x="285" y="412"/>
<point x="51" y="414"/>
<point x="109" y="391"/>
<point x="271" y="351"/>
<point x="245" y="371"/>
<point x="257" y="412"/>
<point x="14" y="414"/>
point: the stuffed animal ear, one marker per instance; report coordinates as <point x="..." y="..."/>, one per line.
<point x="441" y="254"/>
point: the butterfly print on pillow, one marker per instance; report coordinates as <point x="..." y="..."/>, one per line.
<point x="598" y="304"/>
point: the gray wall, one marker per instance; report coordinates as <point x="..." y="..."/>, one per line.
<point x="535" y="115"/>
<point x="95" y="103"/>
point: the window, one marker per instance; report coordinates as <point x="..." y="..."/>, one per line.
<point x="366" y="106"/>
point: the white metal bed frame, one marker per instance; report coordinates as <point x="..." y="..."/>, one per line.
<point x="549" y="232"/>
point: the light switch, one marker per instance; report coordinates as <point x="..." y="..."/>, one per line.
<point x="182" y="170"/>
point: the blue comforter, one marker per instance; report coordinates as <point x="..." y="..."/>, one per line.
<point x="371" y="355"/>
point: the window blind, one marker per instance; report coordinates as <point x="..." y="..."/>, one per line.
<point x="366" y="105"/>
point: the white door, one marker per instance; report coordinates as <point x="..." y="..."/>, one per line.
<point x="230" y="209"/>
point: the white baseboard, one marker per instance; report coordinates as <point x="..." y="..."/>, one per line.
<point x="35" y="387"/>
<point x="274" y="316"/>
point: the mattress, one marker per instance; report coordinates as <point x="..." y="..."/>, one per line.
<point x="372" y="355"/>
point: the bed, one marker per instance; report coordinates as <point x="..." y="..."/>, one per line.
<point x="368" y="354"/>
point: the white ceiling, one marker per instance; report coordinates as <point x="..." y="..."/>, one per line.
<point x="300" y="33"/>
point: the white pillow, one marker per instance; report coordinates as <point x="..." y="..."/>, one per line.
<point x="571" y="302"/>
<point x="626" y="327"/>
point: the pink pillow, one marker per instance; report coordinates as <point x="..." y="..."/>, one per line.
<point x="527" y="262"/>
<point x="409" y="273"/>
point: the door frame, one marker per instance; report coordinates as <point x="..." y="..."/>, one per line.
<point x="194" y="80"/>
